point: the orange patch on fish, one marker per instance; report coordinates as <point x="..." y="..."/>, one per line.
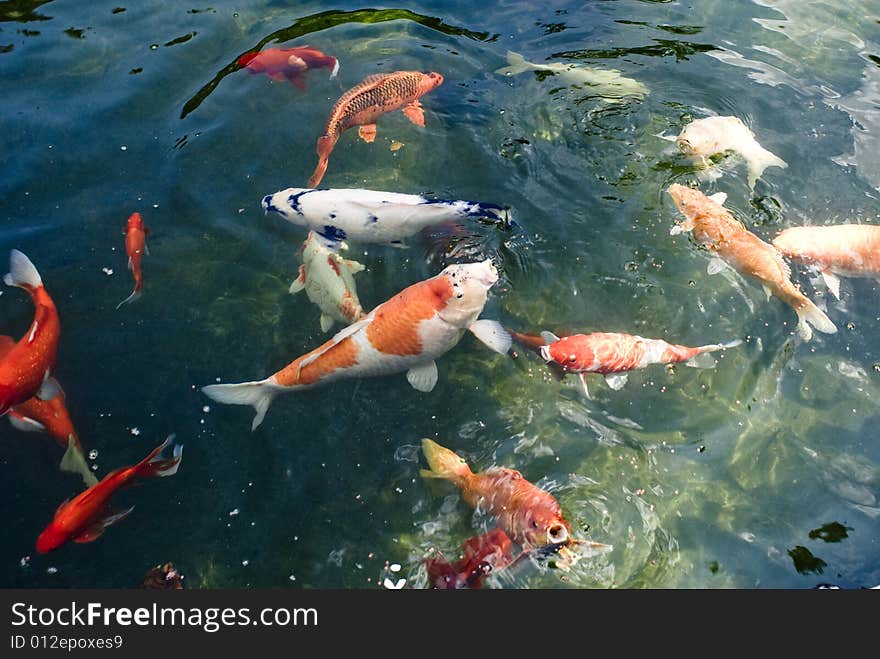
<point x="333" y="265"/>
<point x="394" y="329"/>
<point x="333" y="357"/>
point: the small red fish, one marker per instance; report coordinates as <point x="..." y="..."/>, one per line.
<point x="135" y="247"/>
<point x="612" y="354"/>
<point x="363" y="104"/>
<point x="84" y="518"/>
<point x="52" y="418"/>
<point x="25" y="368"/>
<point x="289" y="63"/>
<point x="481" y="555"/>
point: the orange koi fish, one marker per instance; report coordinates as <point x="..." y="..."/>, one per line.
<point x="135" y="247"/>
<point x="85" y="518"/>
<point x="481" y="555"/>
<point x="530" y="516"/>
<point x="363" y="104"/>
<point x="25" y="368"/>
<point x="52" y="418"/>
<point x="716" y="228"/>
<point x="402" y="335"/>
<point x="612" y="354"/>
<point x="289" y="63"/>
<point x="847" y="250"/>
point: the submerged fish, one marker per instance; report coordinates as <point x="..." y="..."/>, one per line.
<point x="402" y="335"/>
<point x="135" y="247"/>
<point x="163" y="577"/>
<point x="372" y="216"/>
<point x="530" y="516"/>
<point x="85" y="518"/>
<point x="26" y="366"/>
<point x="481" y="555"/>
<point x="704" y="138"/>
<point x="52" y="418"/>
<point x="847" y="250"/>
<point x="613" y="354"/>
<point x="608" y="84"/>
<point x="289" y="63"/>
<point x="363" y="104"/>
<point x="715" y="228"/>
<point x="328" y="280"/>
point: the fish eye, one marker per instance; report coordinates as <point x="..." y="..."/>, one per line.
<point x="460" y="295"/>
<point x="572" y="358"/>
<point x="534" y="524"/>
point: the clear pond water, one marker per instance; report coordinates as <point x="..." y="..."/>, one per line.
<point x="761" y="472"/>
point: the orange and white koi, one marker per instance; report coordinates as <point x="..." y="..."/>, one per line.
<point x="612" y="354"/>
<point x="50" y="417"/>
<point x="363" y="104"/>
<point x="85" y="518"/>
<point x="716" y="228"/>
<point x="135" y="247"/>
<point x="402" y="335"/>
<point x="846" y="250"/>
<point x="25" y="368"/>
<point x="328" y="280"/>
<point x="532" y="517"/>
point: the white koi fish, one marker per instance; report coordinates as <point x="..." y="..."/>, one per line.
<point x="704" y="138"/>
<point x="607" y="84"/>
<point x="372" y="216"/>
<point x="328" y="280"/>
<point x="402" y="335"/>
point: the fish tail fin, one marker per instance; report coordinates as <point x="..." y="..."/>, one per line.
<point x="74" y="462"/>
<point x="444" y="464"/>
<point x="810" y="314"/>
<point x="335" y="70"/>
<point x="135" y="295"/>
<point x="516" y="64"/>
<point x="258" y="394"/>
<point x="155" y="466"/>
<point x="495" y="213"/>
<point x="324" y="147"/>
<point x="22" y="272"/>
<point x="759" y="160"/>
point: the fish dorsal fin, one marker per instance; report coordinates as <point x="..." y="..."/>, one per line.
<point x="373" y="79"/>
<point x="719" y="198"/>
<point x="549" y="337"/>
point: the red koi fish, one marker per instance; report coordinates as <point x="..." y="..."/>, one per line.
<point x="481" y="555"/>
<point x="846" y="250"/>
<point x="289" y="63"/>
<point x="85" y="518"/>
<point x="530" y="516"/>
<point x="402" y="335"/>
<point x="363" y="104"/>
<point x="135" y="247"/>
<point x="52" y="418"/>
<point x="25" y="368"/>
<point x="612" y="354"/>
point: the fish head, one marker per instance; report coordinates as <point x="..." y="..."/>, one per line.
<point x="312" y="248"/>
<point x="286" y="204"/>
<point x="430" y="80"/>
<point x="465" y="287"/>
<point x="700" y="138"/>
<point x="573" y="353"/>
<point x="51" y="538"/>
<point x="690" y="201"/>
<point x="545" y="527"/>
<point x="135" y="221"/>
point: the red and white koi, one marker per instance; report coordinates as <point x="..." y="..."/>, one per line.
<point x="613" y="354"/>
<point x="402" y="335"/>
<point x="373" y="216"/>
<point x="845" y="250"/>
<point x="25" y="368"/>
<point x="715" y="228"/>
<point x="328" y="280"/>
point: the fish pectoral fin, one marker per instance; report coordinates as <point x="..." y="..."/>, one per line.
<point x="767" y="291"/>
<point x="719" y="198"/>
<point x="715" y="266"/>
<point x="146" y="249"/>
<point x="130" y="265"/>
<point x="415" y="113"/>
<point x="95" y="531"/>
<point x="49" y="389"/>
<point x="583" y="379"/>
<point x="549" y="337"/>
<point x="832" y="281"/>
<point x="492" y="334"/>
<point x="367" y="133"/>
<point x="24" y="423"/>
<point x="299" y="82"/>
<point x="353" y="266"/>
<point x="276" y="76"/>
<point x="326" y="322"/>
<point x="90" y="534"/>
<point x="423" y="378"/>
<point x="300" y="282"/>
<point x="616" y="380"/>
